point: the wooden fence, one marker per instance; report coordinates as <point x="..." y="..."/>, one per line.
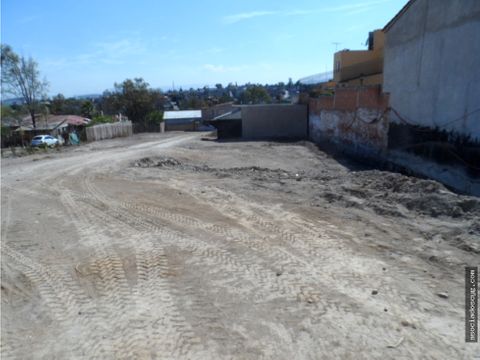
<point x="109" y="131"/>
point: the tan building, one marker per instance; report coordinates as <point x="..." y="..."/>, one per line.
<point x="361" y="67"/>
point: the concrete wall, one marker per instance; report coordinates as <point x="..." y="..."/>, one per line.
<point x="432" y="65"/>
<point x="355" y="119"/>
<point x="274" y="121"/>
<point x="181" y="124"/>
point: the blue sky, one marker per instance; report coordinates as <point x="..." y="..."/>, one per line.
<point x="84" y="46"/>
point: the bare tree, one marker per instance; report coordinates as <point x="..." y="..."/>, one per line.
<point x="21" y="78"/>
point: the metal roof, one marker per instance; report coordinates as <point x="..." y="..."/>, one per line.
<point x="182" y="114"/>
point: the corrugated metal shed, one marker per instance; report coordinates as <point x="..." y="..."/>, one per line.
<point x="182" y="114"/>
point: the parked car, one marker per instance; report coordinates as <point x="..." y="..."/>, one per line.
<point x="47" y="140"/>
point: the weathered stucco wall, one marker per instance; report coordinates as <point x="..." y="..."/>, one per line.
<point x="355" y="118"/>
<point x="274" y="121"/>
<point x="363" y="128"/>
<point x="432" y="65"/>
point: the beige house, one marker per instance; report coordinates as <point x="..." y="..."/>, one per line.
<point x="361" y="67"/>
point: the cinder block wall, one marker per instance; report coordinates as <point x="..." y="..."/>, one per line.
<point x="274" y="121"/>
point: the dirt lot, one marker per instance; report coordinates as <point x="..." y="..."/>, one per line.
<point x="174" y="248"/>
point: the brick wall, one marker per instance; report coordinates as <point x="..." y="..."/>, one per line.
<point x="350" y="99"/>
<point x="355" y="117"/>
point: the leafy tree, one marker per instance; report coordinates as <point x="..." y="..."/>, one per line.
<point x="135" y="98"/>
<point x="73" y="106"/>
<point x="101" y="119"/>
<point x="225" y="98"/>
<point x="192" y="103"/>
<point x="57" y="104"/>
<point x="88" y="109"/>
<point x="155" y="117"/>
<point x="21" y="78"/>
<point x="255" y="94"/>
<point x="10" y="112"/>
<point x="290" y="84"/>
<point x="110" y="102"/>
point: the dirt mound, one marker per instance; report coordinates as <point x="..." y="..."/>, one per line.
<point x="396" y="183"/>
<point x="398" y="195"/>
<point x="253" y="172"/>
<point x="420" y="196"/>
<point x="156" y="162"/>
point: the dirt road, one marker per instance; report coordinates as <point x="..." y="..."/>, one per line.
<point x="176" y="248"/>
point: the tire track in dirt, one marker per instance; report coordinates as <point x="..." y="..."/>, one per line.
<point x="286" y="286"/>
<point x="61" y="296"/>
<point x="326" y="260"/>
<point x="174" y="336"/>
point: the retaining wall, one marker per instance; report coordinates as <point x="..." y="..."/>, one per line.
<point x="354" y="118"/>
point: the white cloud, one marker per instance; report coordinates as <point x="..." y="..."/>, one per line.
<point x="232" y="19"/>
<point x="29" y="19"/>
<point x="113" y="52"/>
<point x="222" y="68"/>
<point x="349" y="9"/>
<point x="357" y="7"/>
<point x="119" y="48"/>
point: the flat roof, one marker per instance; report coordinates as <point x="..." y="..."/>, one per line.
<point x="232" y="115"/>
<point x="182" y="114"/>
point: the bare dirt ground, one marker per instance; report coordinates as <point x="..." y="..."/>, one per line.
<point x="170" y="247"/>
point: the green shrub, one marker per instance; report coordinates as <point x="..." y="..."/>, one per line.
<point x="155" y="117"/>
<point x="101" y="119"/>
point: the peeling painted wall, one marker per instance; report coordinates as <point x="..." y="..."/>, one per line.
<point x="354" y="118"/>
<point x="363" y="127"/>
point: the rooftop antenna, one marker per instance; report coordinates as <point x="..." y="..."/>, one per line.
<point x="336" y="45"/>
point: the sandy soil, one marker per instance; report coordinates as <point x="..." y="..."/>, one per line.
<point x="171" y="247"/>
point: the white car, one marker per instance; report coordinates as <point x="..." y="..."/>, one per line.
<point x="40" y="140"/>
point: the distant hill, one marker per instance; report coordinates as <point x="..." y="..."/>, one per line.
<point x="18" y="101"/>
<point x="88" y="96"/>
